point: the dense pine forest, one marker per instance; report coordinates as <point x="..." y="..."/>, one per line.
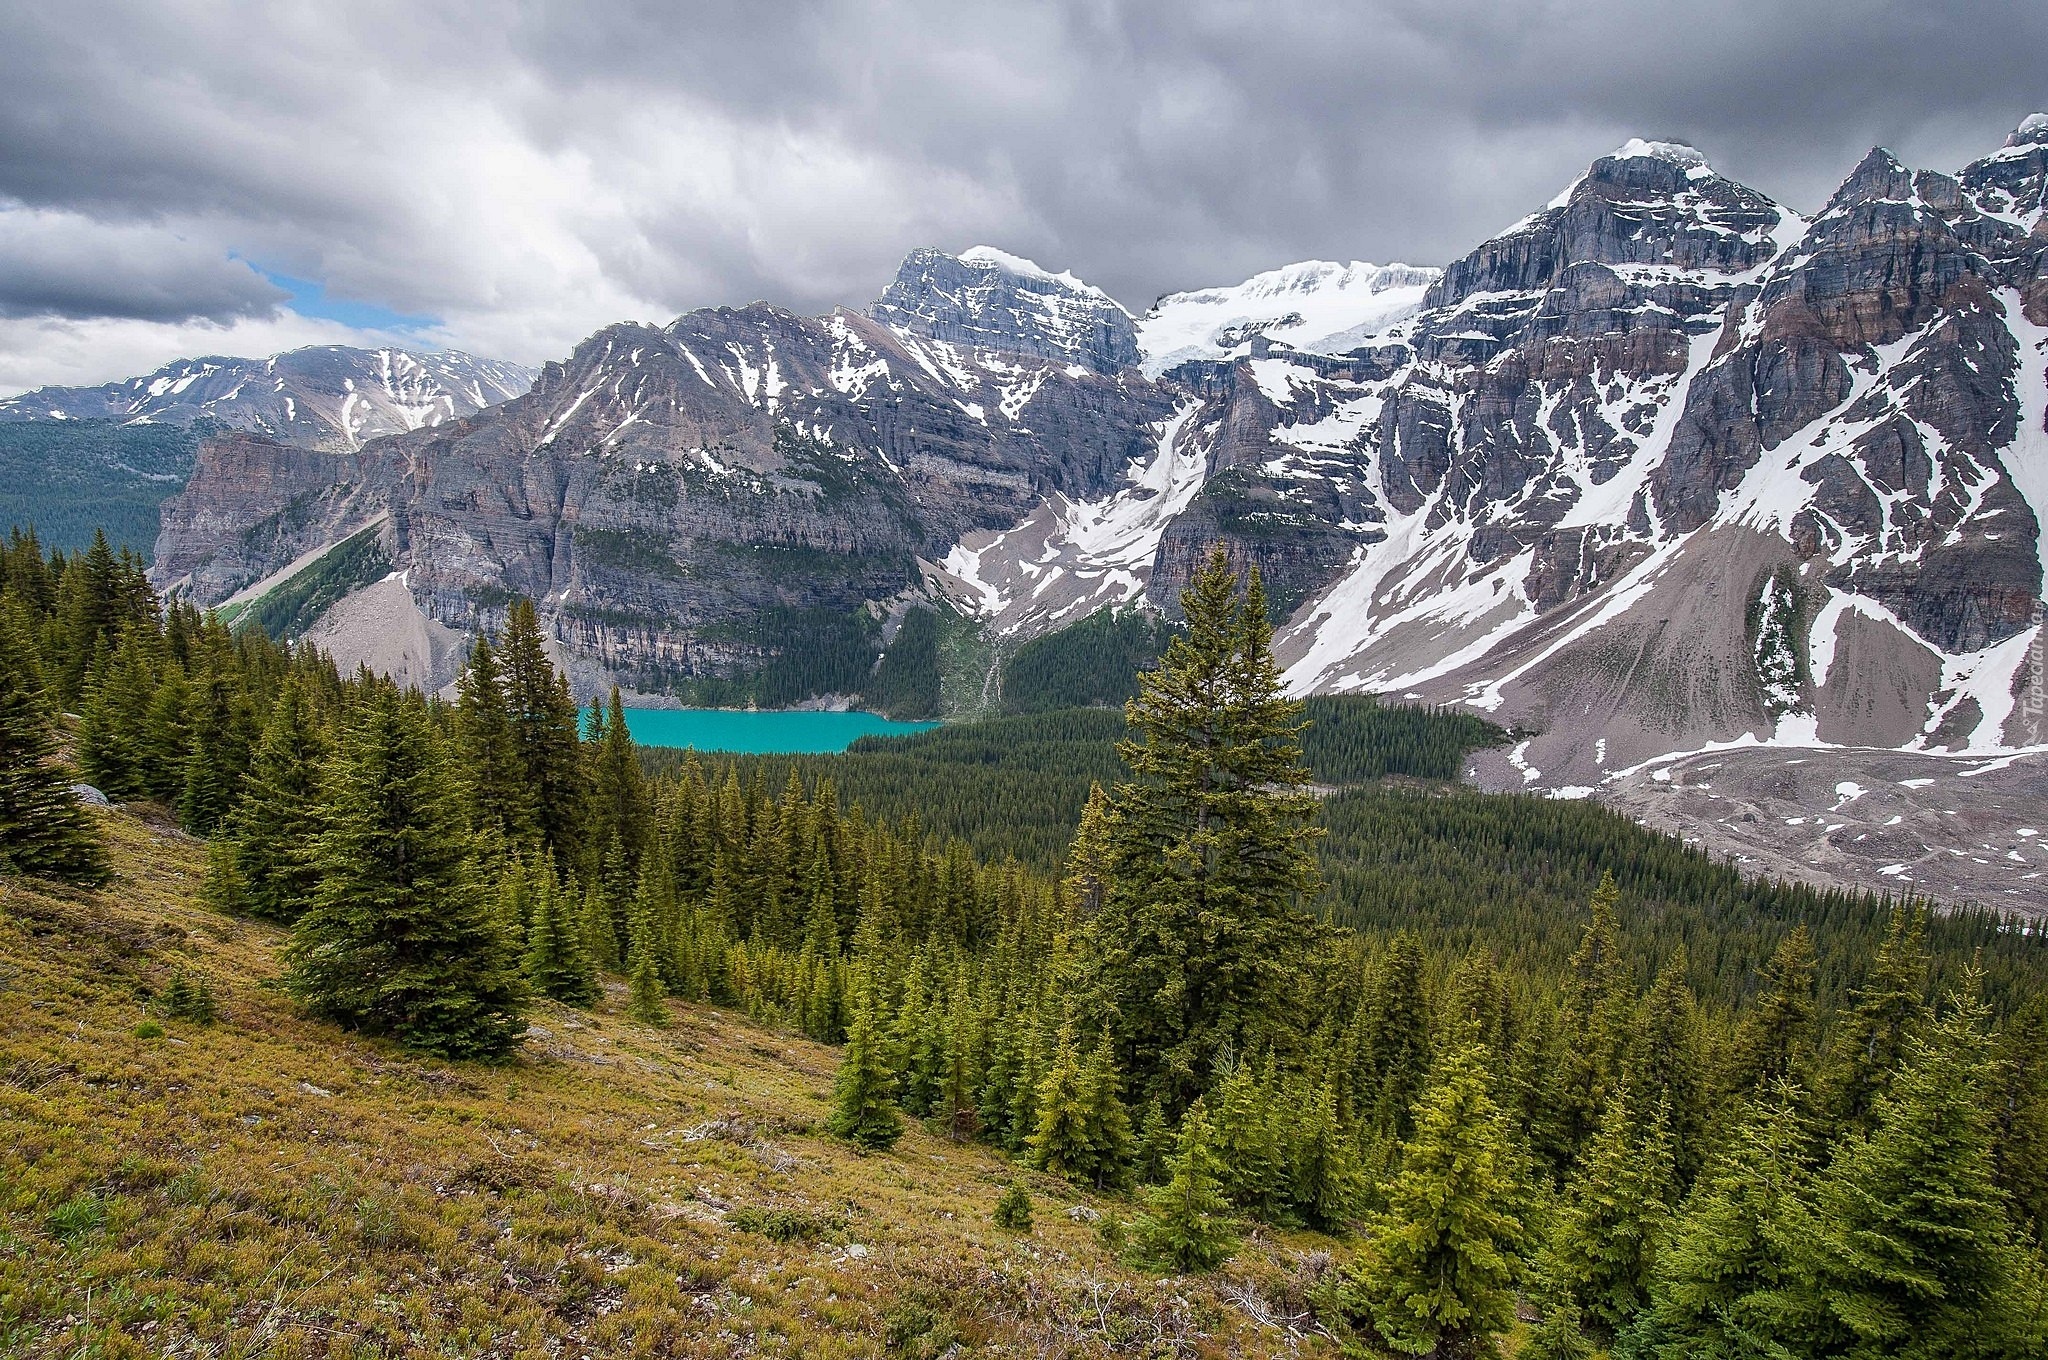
<point x="1542" y="1074"/>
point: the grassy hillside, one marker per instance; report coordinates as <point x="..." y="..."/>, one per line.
<point x="265" y="1185"/>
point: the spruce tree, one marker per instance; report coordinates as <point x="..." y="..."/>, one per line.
<point x="1106" y="1123"/>
<point x="1059" y="1143"/>
<point x="620" y="804"/>
<point x="1013" y="1210"/>
<point x="44" y="832"/>
<point x="1909" y="1251"/>
<point x="115" y="748"/>
<point x="1884" y="1013"/>
<point x="646" y="998"/>
<point x="1155" y="1144"/>
<point x="2020" y="1109"/>
<point x="1089" y="861"/>
<point x="1247" y="1144"/>
<point x="1438" y="1275"/>
<point x="1186" y="1225"/>
<point x="1726" y="1257"/>
<point x="1201" y="936"/>
<point x="398" y="940"/>
<point x="1396" y="1022"/>
<point x="500" y="796"/>
<point x="1775" y="1040"/>
<point x="863" y="1109"/>
<point x="1593" y="1012"/>
<point x="961" y="1079"/>
<point x="600" y="935"/>
<point x="1327" y="1184"/>
<point x="1665" y="1061"/>
<point x="218" y="724"/>
<point x="545" y="735"/>
<point x="558" y="961"/>
<point x="1604" y="1242"/>
<point x="272" y="829"/>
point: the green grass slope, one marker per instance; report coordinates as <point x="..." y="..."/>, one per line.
<point x="266" y="1185"/>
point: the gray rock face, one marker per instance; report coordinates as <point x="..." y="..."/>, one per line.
<point x="663" y="491"/>
<point x="327" y="397"/>
<point x="1563" y="492"/>
<point x="985" y="299"/>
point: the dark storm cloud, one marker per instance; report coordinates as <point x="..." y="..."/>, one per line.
<point x="61" y="264"/>
<point x="529" y="172"/>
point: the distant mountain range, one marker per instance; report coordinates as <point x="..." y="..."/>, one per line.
<point x="1665" y="467"/>
<point x="326" y="397"/>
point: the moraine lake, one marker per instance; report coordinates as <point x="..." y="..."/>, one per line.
<point x="760" y="731"/>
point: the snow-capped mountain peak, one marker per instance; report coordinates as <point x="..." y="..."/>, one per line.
<point x="1677" y="153"/>
<point x="989" y="300"/>
<point x="324" y="396"/>
<point x="1027" y="269"/>
<point x="1317" y="306"/>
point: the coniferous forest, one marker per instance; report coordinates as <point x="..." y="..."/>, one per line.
<point x="1244" y="962"/>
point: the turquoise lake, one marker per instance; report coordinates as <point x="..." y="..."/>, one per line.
<point x="775" y="732"/>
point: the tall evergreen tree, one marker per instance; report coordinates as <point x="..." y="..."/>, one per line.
<point x="646" y="996"/>
<point x="620" y="804"/>
<point x="1725" y="1260"/>
<point x="1604" y="1243"/>
<point x="44" y="832"/>
<point x="1186" y="1225"/>
<point x="1665" y="1063"/>
<point x="1247" y="1144"/>
<point x="1090" y="861"/>
<point x="501" y="798"/>
<point x="1201" y="935"/>
<point x="1326" y="1183"/>
<point x="1396" y="1020"/>
<point x="1884" y="1013"/>
<point x="1775" y="1040"/>
<point x="1908" y="1251"/>
<point x="544" y="732"/>
<point x="1059" y="1143"/>
<point x="1106" y="1122"/>
<point x="272" y="830"/>
<point x="398" y="940"/>
<point x="1593" y="1010"/>
<point x="558" y="961"/>
<point x="863" y="1108"/>
<point x="218" y="723"/>
<point x="1438" y="1276"/>
<point x="2020" y="1112"/>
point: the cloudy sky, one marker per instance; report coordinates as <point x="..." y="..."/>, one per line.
<point x="180" y="177"/>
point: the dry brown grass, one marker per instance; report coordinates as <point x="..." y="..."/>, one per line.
<point x="267" y="1185"/>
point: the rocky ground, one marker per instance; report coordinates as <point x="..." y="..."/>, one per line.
<point x="1958" y="828"/>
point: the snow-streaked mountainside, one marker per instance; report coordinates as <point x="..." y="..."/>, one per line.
<point x="1317" y="306"/>
<point x="327" y="397"/>
<point x="1663" y="468"/>
<point x="987" y="299"/>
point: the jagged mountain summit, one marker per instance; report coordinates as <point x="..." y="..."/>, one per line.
<point x="329" y="397"/>
<point x="1663" y="467"/>
<point x="695" y="500"/>
<point x="1317" y="306"/>
<point x="989" y="300"/>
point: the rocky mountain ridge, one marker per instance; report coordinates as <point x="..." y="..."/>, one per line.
<point x="330" y="397"/>
<point x="1664" y="467"/>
